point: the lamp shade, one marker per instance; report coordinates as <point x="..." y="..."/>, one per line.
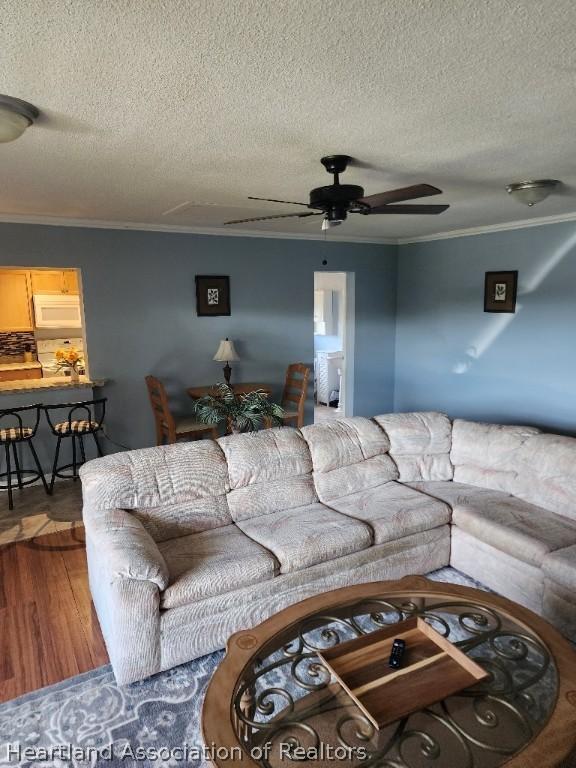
<point x="226" y="352"/>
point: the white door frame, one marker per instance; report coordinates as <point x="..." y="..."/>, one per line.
<point x="348" y="338"/>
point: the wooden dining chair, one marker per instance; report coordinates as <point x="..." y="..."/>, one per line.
<point x="294" y="395"/>
<point x="169" y="429"/>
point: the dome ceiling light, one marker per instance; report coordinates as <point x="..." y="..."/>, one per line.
<point x="15" y="116"/>
<point x="532" y="192"/>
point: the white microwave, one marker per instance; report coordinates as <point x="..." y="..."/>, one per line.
<point x="57" y="311"/>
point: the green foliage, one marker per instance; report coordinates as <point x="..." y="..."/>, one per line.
<point x="244" y="412"/>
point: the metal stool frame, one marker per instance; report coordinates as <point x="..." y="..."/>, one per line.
<point x="13" y="442"/>
<point x="88" y="409"/>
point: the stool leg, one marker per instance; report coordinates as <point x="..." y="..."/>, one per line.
<point x="17" y="465"/>
<point x="74" y="467"/>
<point x="97" y="444"/>
<point x="82" y="451"/>
<point x="55" y="465"/>
<point x="38" y="467"/>
<point x="9" y="476"/>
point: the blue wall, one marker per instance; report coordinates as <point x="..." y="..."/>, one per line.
<point x="452" y="356"/>
<point x="449" y="354"/>
<point x="139" y="296"/>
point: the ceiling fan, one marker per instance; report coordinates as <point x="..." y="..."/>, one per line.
<point x="336" y="201"/>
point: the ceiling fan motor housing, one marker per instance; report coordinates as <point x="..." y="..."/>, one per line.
<point x="335" y="194"/>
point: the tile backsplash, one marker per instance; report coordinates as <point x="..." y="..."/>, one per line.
<point x="12" y="343"/>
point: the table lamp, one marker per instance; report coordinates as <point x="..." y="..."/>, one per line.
<point x="224" y="354"/>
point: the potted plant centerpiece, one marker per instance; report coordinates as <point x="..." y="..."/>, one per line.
<point x="69" y="358"/>
<point x="241" y="412"/>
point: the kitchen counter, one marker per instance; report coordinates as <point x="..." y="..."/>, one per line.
<point x="37" y="385"/>
<point x="20" y="366"/>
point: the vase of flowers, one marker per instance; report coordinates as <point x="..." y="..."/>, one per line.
<point x="69" y="359"/>
<point x="241" y="413"/>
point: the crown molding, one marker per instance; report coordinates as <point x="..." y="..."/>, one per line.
<point x="486" y="229"/>
<point x="56" y="221"/>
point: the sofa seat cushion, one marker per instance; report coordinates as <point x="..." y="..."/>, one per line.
<point x="516" y="527"/>
<point x="211" y="563"/>
<point x="560" y="567"/>
<point x="307" y="535"/>
<point x="455" y="494"/>
<point x="393" y="511"/>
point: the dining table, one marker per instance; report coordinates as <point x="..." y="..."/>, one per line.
<point x="239" y="389"/>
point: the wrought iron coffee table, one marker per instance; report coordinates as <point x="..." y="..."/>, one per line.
<point x="271" y="702"/>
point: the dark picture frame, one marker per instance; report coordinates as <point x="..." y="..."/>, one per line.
<point x="500" y="289"/>
<point x="212" y="295"/>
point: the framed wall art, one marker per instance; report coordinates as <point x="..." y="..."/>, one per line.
<point x="212" y="295"/>
<point x="500" y="291"/>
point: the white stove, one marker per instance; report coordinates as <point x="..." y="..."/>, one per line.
<point x="46" y="356"/>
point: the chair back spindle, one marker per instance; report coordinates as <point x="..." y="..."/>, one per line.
<point x="163" y="418"/>
<point x="295" y="391"/>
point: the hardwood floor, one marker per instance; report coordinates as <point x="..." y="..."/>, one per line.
<point x="48" y="627"/>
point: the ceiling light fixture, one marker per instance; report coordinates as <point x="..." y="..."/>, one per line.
<point x="15" y="116"/>
<point x="329" y="223"/>
<point x="532" y="192"/>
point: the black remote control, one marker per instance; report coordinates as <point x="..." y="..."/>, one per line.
<point x="398" y="648"/>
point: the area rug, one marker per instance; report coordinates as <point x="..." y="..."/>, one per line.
<point x="90" y="722"/>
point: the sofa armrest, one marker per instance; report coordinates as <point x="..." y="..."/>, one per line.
<point x="126" y="549"/>
<point x="127" y="573"/>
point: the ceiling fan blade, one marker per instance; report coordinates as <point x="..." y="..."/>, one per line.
<point x="399" y="195"/>
<point x="270" y="200"/>
<point x="281" y="216"/>
<point x="414" y="209"/>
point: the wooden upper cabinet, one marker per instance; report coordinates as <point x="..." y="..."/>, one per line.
<point x="15" y="300"/>
<point x="54" y="281"/>
<point x="71" y="282"/>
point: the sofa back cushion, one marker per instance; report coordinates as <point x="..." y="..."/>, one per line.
<point x="269" y="471"/>
<point x="173" y="490"/>
<point x="488" y="454"/>
<point x="546" y="473"/>
<point x="419" y="444"/>
<point x="348" y="455"/>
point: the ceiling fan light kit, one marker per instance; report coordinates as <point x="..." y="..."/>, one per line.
<point x="335" y="201"/>
<point x="15" y="116"/>
<point x="531" y="192"/>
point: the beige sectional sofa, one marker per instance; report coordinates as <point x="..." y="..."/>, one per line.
<point x="189" y="543"/>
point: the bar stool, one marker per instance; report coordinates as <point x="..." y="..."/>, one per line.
<point x="13" y="431"/>
<point x="82" y="419"/>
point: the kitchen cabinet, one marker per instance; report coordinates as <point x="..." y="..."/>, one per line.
<point x="15" y="300"/>
<point x="21" y="374"/>
<point x="71" y="282"/>
<point x="49" y="281"/>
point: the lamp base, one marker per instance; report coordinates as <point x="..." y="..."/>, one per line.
<point x="227" y="373"/>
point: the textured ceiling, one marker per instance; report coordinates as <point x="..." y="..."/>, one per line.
<point x="150" y="104"/>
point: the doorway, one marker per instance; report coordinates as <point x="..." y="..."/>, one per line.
<point x="333" y="345"/>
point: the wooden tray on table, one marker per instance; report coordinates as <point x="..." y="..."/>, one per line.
<point x="432" y="669"/>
